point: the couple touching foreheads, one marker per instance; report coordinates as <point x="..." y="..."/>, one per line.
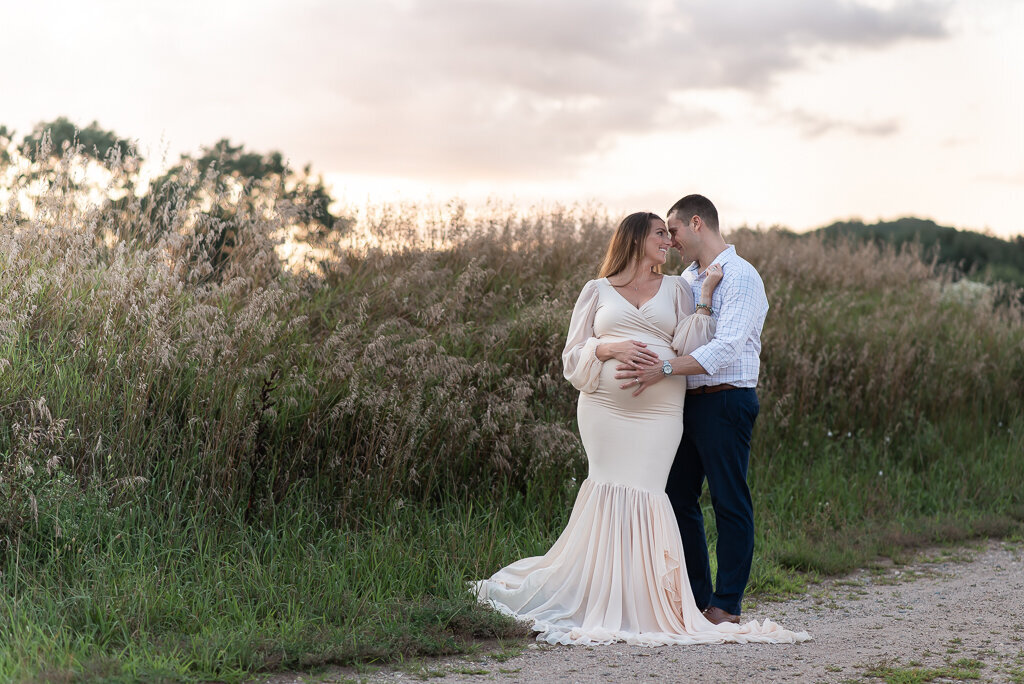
<point x="632" y="564"/>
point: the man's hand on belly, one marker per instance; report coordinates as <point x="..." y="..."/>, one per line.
<point x="640" y="379"/>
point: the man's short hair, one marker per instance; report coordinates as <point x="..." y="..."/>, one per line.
<point x="696" y="205"/>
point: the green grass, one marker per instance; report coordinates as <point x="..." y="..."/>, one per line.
<point x="146" y="595"/>
<point x="960" y="670"/>
<point x="209" y="474"/>
<point x="142" y="594"/>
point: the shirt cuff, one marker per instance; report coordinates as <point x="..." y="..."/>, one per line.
<point x="706" y="358"/>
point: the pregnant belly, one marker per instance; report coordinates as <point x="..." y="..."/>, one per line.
<point x="632" y="440"/>
<point x="661" y="398"/>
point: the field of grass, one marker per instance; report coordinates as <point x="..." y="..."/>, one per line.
<point x="212" y="467"/>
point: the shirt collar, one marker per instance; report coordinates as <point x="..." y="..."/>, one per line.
<point x="723" y="257"/>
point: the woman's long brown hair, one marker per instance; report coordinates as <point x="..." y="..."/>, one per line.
<point x="627" y="245"/>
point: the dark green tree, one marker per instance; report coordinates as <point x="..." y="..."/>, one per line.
<point x="228" y="187"/>
<point x="49" y="140"/>
<point x="216" y="199"/>
<point x="967" y="252"/>
<point x="6" y="139"/>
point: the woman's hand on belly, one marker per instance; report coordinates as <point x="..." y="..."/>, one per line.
<point x="630" y="353"/>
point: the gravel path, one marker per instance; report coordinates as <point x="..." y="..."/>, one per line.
<point x="950" y="614"/>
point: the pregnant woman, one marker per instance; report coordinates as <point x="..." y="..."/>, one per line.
<point x="616" y="573"/>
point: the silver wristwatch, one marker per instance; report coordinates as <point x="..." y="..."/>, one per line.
<point x="666" y="368"/>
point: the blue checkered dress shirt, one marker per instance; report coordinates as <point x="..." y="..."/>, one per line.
<point x="740" y="306"/>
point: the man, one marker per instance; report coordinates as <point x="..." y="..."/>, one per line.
<point x="721" y="407"/>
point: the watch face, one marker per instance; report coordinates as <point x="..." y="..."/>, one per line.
<point x="667" y="368"/>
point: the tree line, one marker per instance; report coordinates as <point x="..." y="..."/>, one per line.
<point x="968" y="253"/>
<point x="223" y="186"/>
<point x="226" y="181"/>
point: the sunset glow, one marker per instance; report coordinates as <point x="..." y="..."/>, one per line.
<point x="790" y="113"/>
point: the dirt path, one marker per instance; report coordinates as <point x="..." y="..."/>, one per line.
<point x="952" y="614"/>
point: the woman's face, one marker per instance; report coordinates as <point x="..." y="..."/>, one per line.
<point x="657" y="242"/>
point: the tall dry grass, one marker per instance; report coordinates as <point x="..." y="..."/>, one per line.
<point x="862" y="338"/>
<point x="200" y="447"/>
<point x="421" y="360"/>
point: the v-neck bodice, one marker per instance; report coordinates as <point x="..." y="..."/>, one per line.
<point x="653" y="322"/>
<point x="661" y="284"/>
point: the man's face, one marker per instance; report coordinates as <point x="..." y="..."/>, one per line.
<point x="683" y="237"/>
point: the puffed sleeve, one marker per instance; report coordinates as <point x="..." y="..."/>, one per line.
<point x="580" y="364"/>
<point x="692" y="330"/>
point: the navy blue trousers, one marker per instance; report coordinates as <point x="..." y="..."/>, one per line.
<point x="716" y="446"/>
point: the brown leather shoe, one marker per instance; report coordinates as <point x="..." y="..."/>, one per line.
<point x="717" y="616"/>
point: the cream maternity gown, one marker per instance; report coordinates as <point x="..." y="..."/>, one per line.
<point x="616" y="572"/>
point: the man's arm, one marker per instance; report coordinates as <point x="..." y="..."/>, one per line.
<point x="681" y="365"/>
<point x="686" y="365"/>
<point x="744" y="305"/>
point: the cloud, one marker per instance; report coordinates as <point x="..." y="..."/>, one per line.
<point x="813" y="125"/>
<point x="435" y="88"/>
<point x="517" y="86"/>
<point x="1007" y="178"/>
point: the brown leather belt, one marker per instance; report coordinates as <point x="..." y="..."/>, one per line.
<point x="710" y="389"/>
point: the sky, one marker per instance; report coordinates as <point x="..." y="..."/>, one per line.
<point x="783" y="112"/>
